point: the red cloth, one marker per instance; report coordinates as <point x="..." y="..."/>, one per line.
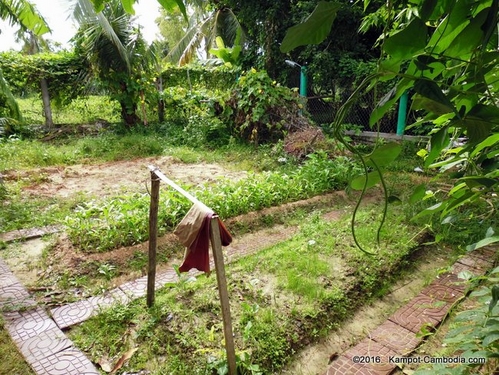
<point x="194" y="232"/>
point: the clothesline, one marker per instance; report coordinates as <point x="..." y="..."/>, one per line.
<point x="172" y="184"/>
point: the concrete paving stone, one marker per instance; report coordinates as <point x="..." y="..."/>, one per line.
<point x="3" y="267"/>
<point x="28" y="324"/>
<point x="108" y="299"/>
<point x="15" y="297"/>
<point x="44" y="344"/>
<point x="67" y="362"/>
<point x="458" y="267"/>
<point x="8" y="278"/>
<point x="345" y="366"/>
<point x="398" y="338"/>
<point x="452" y="281"/>
<point x="371" y="350"/>
<point x="73" y="313"/>
<point x="421" y="310"/>
<point x="165" y="278"/>
<point x="485" y="253"/>
<point x="442" y="292"/>
<point x="135" y="289"/>
<point x="26" y="234"/>
<point x="475" y="262"/>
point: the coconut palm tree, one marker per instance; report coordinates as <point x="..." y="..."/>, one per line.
<point x="205" y="27"/>
<point x="115" y="51"/>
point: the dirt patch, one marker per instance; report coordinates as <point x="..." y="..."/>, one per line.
<point x="114" y="177"/>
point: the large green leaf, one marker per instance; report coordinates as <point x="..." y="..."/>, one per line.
<point x="384" y="155"/>
<point x="128" y="6"/>
<point x="418" y="194"/>
<point x="438" y="142"/>
<point x="427" y="9"/>
<point x="450" y="27"/>
<point x="387" y="102"/>
<point x="314" y="30"/>
<point x="408" y="41"/>
<point x="170" y="5"/>
<point x="490" y="141"/>
<point x="429" y="89"/>
<point x="359" y="182"/>
<point x="469" y="38"/>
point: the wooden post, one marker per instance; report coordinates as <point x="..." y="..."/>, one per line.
<point x="216" y="245"/>
<point x="153" y="238"/>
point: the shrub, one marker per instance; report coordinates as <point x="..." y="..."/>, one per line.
<point x="259" y="110"/>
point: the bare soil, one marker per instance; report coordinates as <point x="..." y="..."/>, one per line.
<point x="113" y="177"/>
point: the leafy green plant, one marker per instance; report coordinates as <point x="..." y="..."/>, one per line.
<point x="122" y="220"/>
<point x="475" y="332"/>
<point x="260" y="110"/>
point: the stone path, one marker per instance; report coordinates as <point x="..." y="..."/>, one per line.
<point x="39" y="337"/>
<point x="397" y="336"/>
<point x="48" y="351"/>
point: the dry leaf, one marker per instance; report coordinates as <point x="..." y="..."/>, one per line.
<point x="125" y="357"/>
<point x="105" y="364"/>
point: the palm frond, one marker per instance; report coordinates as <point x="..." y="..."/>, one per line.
<point x="184" y="51"/>
<point x="24" y="14"/>
<point x="98" y="25"/>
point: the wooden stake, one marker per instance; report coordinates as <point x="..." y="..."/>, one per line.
<point x="216" y="245"/>
<point x="153" y="238"/>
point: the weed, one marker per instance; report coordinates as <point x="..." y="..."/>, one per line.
<point x="107" y="270"/>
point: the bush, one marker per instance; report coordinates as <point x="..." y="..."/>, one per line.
<point x="259" y="110"/>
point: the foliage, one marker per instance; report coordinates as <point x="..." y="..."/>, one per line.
<point x="190" y="120"/>
<point x="23" y="14"/>
<point x="198" y="76"/>
<point x="119" y="221"/>
<point x="63" y="71"/>
<point x="128" y="5"/>
<point x="475" y="332"/>
<point x="206" y="24"/>
<point x="260" y="110"/>
<point x="118" y="56"/>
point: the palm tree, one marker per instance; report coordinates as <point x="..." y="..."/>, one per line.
<point x="204" y="28"/>
<point x="25" y="15"/>
<point x="115" y="51"/>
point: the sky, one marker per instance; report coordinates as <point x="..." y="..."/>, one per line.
<point x="56" y="13"/>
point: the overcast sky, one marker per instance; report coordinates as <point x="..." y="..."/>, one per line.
<point x="56" y="14"/>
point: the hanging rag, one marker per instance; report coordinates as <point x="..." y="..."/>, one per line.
<point x="194" y="233"/>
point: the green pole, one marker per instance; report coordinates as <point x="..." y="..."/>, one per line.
<point x="402" y="113"/>
<point x="303" y="81"/>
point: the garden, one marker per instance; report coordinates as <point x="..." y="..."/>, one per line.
<point x="331" y="235"/>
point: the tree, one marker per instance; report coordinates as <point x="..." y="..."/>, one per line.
<point x="205" y="26"/>
<point x="25" y="15"/>
<point x="128" y="5"/>
<point x="172" y="27"/>
<point x="446" y="55"/>
<point x="116" y="52"/>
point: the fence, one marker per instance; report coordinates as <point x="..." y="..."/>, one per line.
<point x="324" y="102"/>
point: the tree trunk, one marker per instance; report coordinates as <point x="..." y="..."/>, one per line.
<point x="129" y="118"/>
<point x="47" y="110"/>
<point x="161" y="102"/>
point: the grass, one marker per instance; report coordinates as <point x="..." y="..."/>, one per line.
<point x="80" y="111"/>
<point x="282" y="298"/>
<point x="12" y="362"/>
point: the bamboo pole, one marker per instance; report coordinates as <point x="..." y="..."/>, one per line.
<point x="216" y="245"/>
<point x="153" y="238"/>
